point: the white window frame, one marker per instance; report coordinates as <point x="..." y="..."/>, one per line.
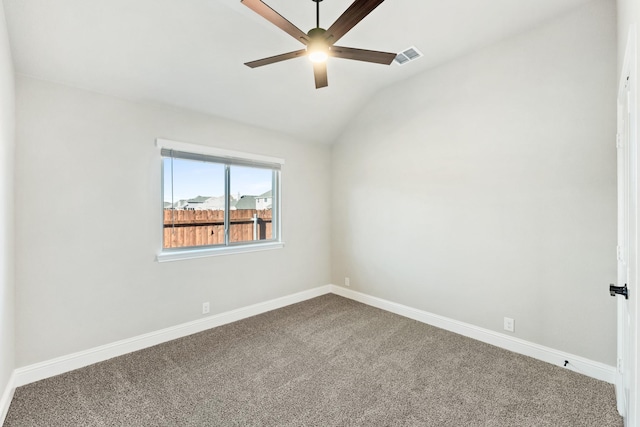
<point x="175" y="254"/>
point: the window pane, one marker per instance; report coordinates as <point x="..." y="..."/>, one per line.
<point x="251" y="204"/>
<point x="193" y="203"/>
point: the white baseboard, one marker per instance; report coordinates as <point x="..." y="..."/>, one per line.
<point x="60" y="365"/>
<point x="578" y="364"/>
<point x="7" y="395"/>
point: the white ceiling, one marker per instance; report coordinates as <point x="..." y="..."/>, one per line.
<point x="190" y="53"/>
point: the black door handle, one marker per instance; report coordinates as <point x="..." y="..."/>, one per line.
<point x="619" y="290"/>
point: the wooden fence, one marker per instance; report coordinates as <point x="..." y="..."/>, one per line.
<point x="183" y="228"/>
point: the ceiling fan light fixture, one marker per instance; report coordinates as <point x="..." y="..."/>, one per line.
<point x="318" y="48"/>
<point x="318" y="54"/>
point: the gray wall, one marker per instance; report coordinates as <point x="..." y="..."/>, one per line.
<point x="481" y="189"/>
<point x="487" y="188"/>
<point x="7" y="125"/>
<point x="88" y="196"/>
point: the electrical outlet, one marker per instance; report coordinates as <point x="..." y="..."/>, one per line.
<point x="509" y="324"/>
<point x="347" y="282"/>
<point x="205" y="307"/>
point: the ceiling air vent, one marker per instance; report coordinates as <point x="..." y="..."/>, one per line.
<point x="408" y="55"/>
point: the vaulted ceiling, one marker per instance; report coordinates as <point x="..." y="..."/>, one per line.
<point x="190" y="53"/>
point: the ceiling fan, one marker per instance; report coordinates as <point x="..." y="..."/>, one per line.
<point x="320" y="42"/>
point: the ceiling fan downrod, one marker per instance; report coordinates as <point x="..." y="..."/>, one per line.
<point x="317" y="12"/>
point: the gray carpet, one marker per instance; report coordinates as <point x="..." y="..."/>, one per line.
<point x="328" y="361"/>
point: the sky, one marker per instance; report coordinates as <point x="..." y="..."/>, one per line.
<point x="193" y="178"/>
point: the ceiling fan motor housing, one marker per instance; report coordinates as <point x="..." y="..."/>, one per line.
<point x="316" y="33"/>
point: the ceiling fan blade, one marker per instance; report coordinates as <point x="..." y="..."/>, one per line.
<point x="259" y="7"/>
<point x="320" y="74"/>
<point x="354" y="14"/>
<point x="362" y="55"/>
<point x="277" y="58"/>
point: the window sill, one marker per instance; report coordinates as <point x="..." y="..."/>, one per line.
<point x="180" y="254"/>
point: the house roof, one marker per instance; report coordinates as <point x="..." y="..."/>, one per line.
<point x="199" y="199"/>
<point x="246" y="202"/>
<point x="250" y="202"/>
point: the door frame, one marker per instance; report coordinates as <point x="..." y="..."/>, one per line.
<point x="628" y="160"/>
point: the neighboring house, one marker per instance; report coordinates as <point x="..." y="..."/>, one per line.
<point x="246" y="202"/>
<point x="196" y="203"/>
<point x="180" y="204"/>
<point x="201" y="203"/>
<point x="215" y="203"/>
<point x="264" y="201"/>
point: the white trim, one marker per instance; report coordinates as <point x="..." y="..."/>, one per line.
<point x="579" y="364"/>
<point x="60" y="365"/>
<point x="6" y="398"/>
<point x="627" y="316"/>
<point x="168" y="255"/>
<point x="213" y="151"/>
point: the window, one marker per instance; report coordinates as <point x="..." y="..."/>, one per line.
<point x="217" y="201"/>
